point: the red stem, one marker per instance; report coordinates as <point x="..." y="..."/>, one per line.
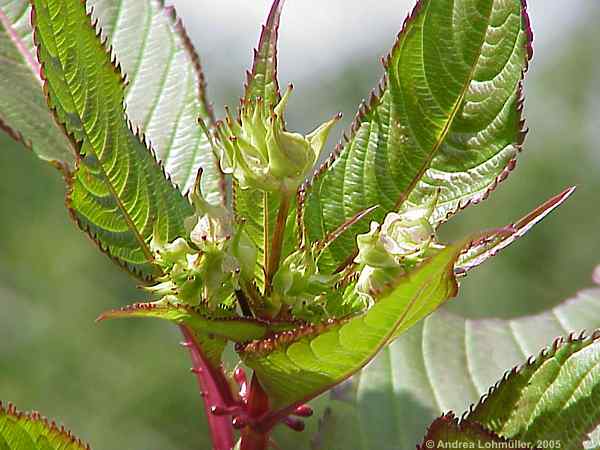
<point x="215" y="391"/>
<point x="253" y="437"/>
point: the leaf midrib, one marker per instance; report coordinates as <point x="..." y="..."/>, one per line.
<point x="448" y="125"/>
<point x="383" y="341"/>
<point x="111" y="188"/>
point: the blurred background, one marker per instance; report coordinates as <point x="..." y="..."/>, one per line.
<point x="125" y="385"/>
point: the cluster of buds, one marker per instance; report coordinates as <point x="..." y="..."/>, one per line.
<point x="395" y="247"/>
<point x="261" y="154"/>
<point x="207" y="267"/>
<point x="241" y="414"/>
<point x="299" y="285"/>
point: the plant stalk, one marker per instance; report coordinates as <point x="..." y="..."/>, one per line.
<point x="255" y="438"/>
<point x="215" y="391"/>
<point x="277" y="240"/>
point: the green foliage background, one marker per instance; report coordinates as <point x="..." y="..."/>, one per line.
<point x="130" y="377"/>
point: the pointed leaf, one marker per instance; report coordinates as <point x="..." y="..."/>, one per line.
<point x="447" y="118"/>
<point x="554" y="397"/>
<point x="257" y="209"/>
<point x="448" y="432"/>
<point x="262" y="81"/>
<point x="30" y="431"/>
<point x="444" y="363"/>
<point x="202" y="321"/>
<point x="165" y="94"/>
<point x="118" y="194"/>
<point x="166" y="90"/>
<point x="296" y="366"/>
<point x="481" y="250"/>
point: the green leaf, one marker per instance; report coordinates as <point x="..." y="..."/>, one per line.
<point x="481" y="250"/>
<point x="554" y="397"/>
<point x="296" y="366"/>
<point x="202" y="321"/>
<point x="445" y="363"/>
<point x="166" y="91"/>
<point x="166" y="88"/>
<point x="258" y="209"/>
<point x="262" y="80"/>
<point x="30" y="431"/>
<point x="24" y="113"/>
<point x="459" y="135"/>
<point x="118" y="193"/>
<point x="448" y="432"/>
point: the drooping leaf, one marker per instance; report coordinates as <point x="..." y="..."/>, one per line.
<point x="555" y="397"/>
<point x="445" y="363"/>
<point x="118" y="193"/>
<point x="165" y="94"/>
<point x="30" y="431"/>
<point x="202" y="321"/>
<point x="457" y="136"/>
<point x="296" y="366"/>
<point x="448" y="432"/>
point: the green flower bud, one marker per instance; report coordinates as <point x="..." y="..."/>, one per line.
<point x="244" y="250"/>
<point x="298" y="281"/>
<point x="372" y="250"/>
<point x="398" y="245"/>
<point x="171" y="253"/>
<point x="211" y="225"/>
<point x="261" y="154"/>
<point x="218" y="274"/>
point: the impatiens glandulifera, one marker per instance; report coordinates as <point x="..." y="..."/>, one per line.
<point x="310" y="270"/>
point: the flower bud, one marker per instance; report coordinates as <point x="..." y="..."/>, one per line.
<point x="211" y="225"/>
<point x="261" y="154"/>
<point x="390" y="250"/>
<point x="298" y="282"/>
<point x="244" y="250"/>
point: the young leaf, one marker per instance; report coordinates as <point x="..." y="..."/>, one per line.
<point x="118" y="193"/>
<point x="445" y="363"/>
<point x="30" y="431"/>
<point x="23" y="110"/>
<point x="479" y="251"/>
<point x="448" y="432"/>
<point x="258" y="209"/>
<point x="554" y="397"/>
<point x="262" y="81"/>
<point x="296" y="366"/>
<point x="201" y="321"/>
<point x="165" y="92"/>
<point x="458" y="135"/>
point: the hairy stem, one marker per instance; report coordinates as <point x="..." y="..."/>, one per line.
<point x="215" y="391"/>
<point x="277" y="240"/>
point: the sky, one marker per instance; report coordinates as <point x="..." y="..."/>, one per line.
<point x="318" y="36"/>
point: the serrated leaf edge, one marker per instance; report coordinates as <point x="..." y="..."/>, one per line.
<point x="142" y="138"/>
<point x="269" y="36"/>
<point x="533" y="361"/>
<point x="375" y="98"/>
<point x="461" y="425"/>
<point x="34" y="416"/>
